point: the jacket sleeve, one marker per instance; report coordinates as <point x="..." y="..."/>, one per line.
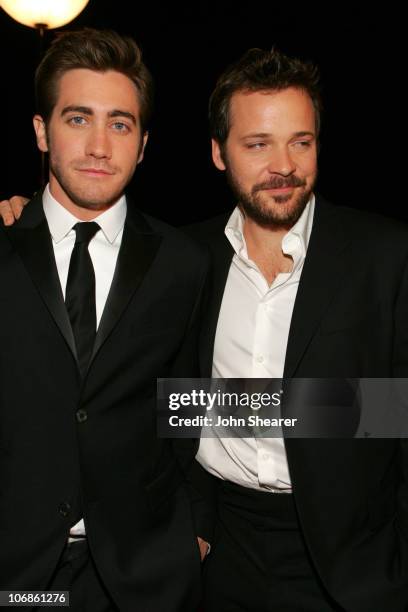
<point x="198" y="481"/>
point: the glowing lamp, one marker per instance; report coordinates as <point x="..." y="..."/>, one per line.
<point x="43" y="14"/>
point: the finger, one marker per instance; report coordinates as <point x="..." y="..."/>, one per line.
<point x="203" y="551"/>
<point x="6" y="212"/>
<point x="17" y="204"/>
<point x="203" y="546"/>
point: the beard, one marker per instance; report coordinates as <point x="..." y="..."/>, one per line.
<point x="279" y="210"/>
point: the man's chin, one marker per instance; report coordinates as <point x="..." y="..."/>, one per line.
<point x="279" y="214"/>
<point x="282" y="199"/>
<point x="95" y="205"/>
<point x="94" y="201"/>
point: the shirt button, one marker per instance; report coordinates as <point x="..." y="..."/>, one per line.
<point x="260" y="359"/>
<point x="266" y="456"/>
<point x="81" y="415"/>
<point x="64" y="509"/>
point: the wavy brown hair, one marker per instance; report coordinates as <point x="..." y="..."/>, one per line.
<point x="260" y="70"/>
<point x="98" y="50"/>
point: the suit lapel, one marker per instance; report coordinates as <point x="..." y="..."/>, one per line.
<point x="31" y="239"/>
<point x="222" y="253"/>
<point x="137" y="252"/>
<point x="321" y="276"/>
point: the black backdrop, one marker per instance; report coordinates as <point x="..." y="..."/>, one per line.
<point x="186" y="45"/>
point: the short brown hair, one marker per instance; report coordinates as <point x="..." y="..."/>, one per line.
<point x="260" y="70"/>
<point x="98" y="50"/>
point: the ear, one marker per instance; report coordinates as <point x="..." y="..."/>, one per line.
<point x="40" y="132"/>
<point x="142" y="147"/>
<point x="217" y="155"/>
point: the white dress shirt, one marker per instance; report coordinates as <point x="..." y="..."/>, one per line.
<point x="250" y="342"/>
<point x="103" y="249"/>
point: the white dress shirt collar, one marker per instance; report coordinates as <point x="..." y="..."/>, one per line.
<point x="294" y="243"/>
<point x="61" y="221"/>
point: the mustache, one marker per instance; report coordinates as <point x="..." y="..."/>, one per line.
<point x="280" y="182"/>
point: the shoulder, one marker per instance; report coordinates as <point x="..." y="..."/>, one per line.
<point x="366" y="227"/>
<point x="177" y="243"/>
<point x="207" y="231"/>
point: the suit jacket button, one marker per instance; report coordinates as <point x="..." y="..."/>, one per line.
<point x="81" y="415"/>
<point x="64" y="509"/>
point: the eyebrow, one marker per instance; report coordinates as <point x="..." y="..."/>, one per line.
<point x="85" y="110"/>
<point x="268" y="135"/>
<point x="300" y="134"/>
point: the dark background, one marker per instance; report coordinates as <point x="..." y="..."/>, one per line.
<point x="186" y="46"/>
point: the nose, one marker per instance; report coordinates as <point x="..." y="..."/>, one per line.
<point x="281" y="162"/>
<point x="98" y="144"/>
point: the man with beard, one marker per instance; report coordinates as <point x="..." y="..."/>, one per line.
<point x="301" y="289"/>
<point x="91" y="501"/>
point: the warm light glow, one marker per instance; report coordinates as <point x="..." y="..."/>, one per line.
<point x="51" y="13"/>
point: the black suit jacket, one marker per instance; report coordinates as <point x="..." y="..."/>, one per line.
<point x="350" y="320"/>
<point x="68" y="446"/>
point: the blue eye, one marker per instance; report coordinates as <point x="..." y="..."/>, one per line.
<point x="303" y="144"/>
<point x="256" y="145"/>
<point x="77" y="120"/>
<point x="120" y="127"/>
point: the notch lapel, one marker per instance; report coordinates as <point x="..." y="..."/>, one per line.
<point x="31" y="238"/>
<point x="221" y="255"/>
<point x="137" y="251"/>
<point x="322" y="273"/>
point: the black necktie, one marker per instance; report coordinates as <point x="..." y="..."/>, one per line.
<point x="80" y="294"/>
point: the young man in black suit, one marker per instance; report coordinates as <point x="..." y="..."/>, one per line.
<point x="301" y="289"/>
<point x="91" y="501"/>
